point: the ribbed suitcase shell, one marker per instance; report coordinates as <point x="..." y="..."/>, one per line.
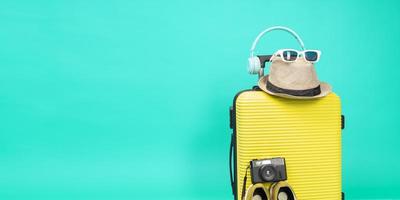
<point x="306" y="132"/>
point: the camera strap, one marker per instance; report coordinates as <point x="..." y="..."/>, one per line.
<point x="244" y="183"/>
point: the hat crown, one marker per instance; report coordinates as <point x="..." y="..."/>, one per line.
<point x="298" y="75"/>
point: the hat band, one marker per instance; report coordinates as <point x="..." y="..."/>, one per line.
<point x="303" y="93"/>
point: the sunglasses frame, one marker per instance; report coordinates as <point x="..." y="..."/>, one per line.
<point x="299" y="53"/>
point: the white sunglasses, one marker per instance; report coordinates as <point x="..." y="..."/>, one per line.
<point x="291" y="55"/>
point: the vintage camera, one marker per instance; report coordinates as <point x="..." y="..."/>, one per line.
<point x="268" y="170"/>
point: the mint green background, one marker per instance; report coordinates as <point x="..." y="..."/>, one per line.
<point x="129" y="99"/>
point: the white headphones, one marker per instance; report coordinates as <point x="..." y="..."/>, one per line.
<point x="256" y="63"/>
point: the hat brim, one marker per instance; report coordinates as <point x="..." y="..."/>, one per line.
<point x="325" y="90"/>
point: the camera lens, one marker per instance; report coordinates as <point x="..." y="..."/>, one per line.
<point x="267" y="173"/>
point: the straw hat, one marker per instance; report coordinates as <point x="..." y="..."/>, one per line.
<point x="295" y="80"/>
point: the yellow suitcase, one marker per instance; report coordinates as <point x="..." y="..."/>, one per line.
<point x="307" y="133"/>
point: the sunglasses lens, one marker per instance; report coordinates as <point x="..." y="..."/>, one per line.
<point x="311" y="56"/>
<point x="289" y="55"/>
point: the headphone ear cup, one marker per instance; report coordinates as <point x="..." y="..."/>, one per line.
<point x="254" y="65"/>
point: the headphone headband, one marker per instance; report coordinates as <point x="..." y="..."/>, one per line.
<point x="282" y="28"/>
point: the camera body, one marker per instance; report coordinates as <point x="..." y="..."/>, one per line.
<point x="268" y="170"/>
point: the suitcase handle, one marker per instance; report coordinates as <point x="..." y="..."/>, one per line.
<point x="230" y="163"/>
<point x="264" y="59"/>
